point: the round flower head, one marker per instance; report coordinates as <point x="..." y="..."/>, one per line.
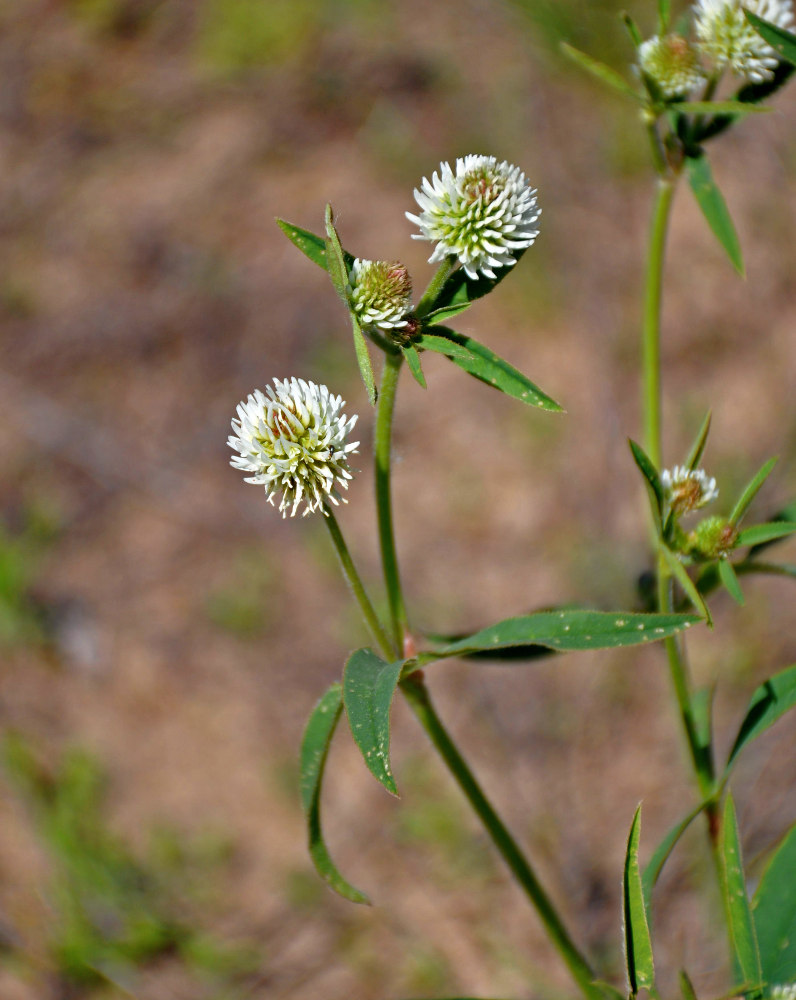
<point x="381" y="293"/>
<point x="481" y="211"/>
<point x="730" y="40"/>
<point x="688" y="489"/>
<point x="714" y="538"/>
<point x="293" y="439"/>
<point x="672" y="64"/>
<point x="783" y="991"/>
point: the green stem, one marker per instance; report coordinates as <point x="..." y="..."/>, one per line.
<point x="652" y="318"/>
<point x="357" y="587"/>
<point x="382" y="446"/>
<point x="417" y="695"/>
<point x="431" y="294"/>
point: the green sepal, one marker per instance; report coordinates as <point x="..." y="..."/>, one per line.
<point x="412" y="359"/>
<point x="638" y="944"/>
<point x="750" y="491"/>
<point x="730" y="580"/>
<point x="483" y="364"/>
<point x="774" y="911"/>
<point x="653" y="480"/>
<point x="736" y="902"/>
<point x="698" y="447"/>
<point x="314" y="751"/>
<point x="714" y="208"/>
<point x="770" y="701"/>
<point x="601" y="72"/>
<point x="369" y="685"/>
<point x="782" y="41"/>
<point x="680" y="574"/>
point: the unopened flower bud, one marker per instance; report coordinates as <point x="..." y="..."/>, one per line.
<point x="380" y="293"/>
<point x="672" y="64"/>
<point x="714" y="538"/>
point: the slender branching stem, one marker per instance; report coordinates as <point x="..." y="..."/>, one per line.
<point x="417" y="695"/>
<point x="429" y="297"/>
<point x="382" y="447"/>
<point x="357" y="587"/>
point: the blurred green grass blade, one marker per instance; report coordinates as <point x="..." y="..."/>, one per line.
<point x="750" y="491"/>
<point x="632" y="28"/>
<point x="369" y="685"/>
<point x="736" y="902"/>
<point x="413" y="362"/>
<point x="686" y="986"/>
<point x="680" y="574"/>
<point x="732" y="108"/>
<point x="664" y="12"/>
<point x="483" y="364"/>
<point x="730" y="580"/>
<point x="714" y="208"/>
<point x="363" y="360"/>
<point x="771" y="700"/>
<point x="774" y="910"/>
<point x="783" y="42"/>
<point x="662" y="852"/>
<point x="601" y="72"/>
<point x="314" y="751"/>
<point x="759" y="534"/>
<point x="638" y="945"/>
<point x="573" y="630"/>
<point x="650" y="474"/>
<point x="698" y="447"/>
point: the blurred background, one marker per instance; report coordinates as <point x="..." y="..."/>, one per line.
<point x="164" y="633"/>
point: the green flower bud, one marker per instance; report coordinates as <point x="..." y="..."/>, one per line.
<point x="713" y="538"/>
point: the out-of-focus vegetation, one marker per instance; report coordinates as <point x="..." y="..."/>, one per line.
<point x="22" y="616"/>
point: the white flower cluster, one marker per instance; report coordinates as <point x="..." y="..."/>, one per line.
<point x="783" y="991"/>
<point x="293" y="438"/>
<point x="480" y="211"/>
<point x="672" y="63"/>
<point x="727" y="38"/>
<point x="381" y="293"/>
<point x="688" y="489"/>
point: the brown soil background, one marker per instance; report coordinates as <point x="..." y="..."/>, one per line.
<point x="146" y="289"/>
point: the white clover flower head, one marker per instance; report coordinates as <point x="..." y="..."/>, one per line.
<point x="728" y="39"/>
<point x="783" y="991"/>
<point x="480" y="211"/>
<point x="672" y="63"/>
<point x="293" y="438"/>
<point x="688" y="489"/>
<point x="381" y="293"/>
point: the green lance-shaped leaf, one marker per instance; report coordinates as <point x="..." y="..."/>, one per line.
<point x="664" y="12"/>
<point x="786" y="514"/>
<point x="412" y="359"/>
<point x="335" y="260"/>
<point x="310" y="244"/>
<point x="761" y="534"/>
<point x="486" y="366"/>
<point x="750" y="93"/>
<point x="600" y="71"/>
<point x="750" y="491"/>
<point x="363" y="360"/>
<point x="650" y="474"/>
<point x="774" y="911"/>
<point x="714" y="208"/>
<point x="368" y="688"/>
<point x="572" y="630"/>
<point x="783" y="42"/>
<point x="662" y="852"/>
<point x="698" y="447"/>
<point x="638" y="945"/>
<point x="730" y="580"/>
<point x="314" y="750"/>
<point x="680" y="573"/>
<point x="632" y="29"/>
<point x="733" y="108"/>
<point x="736" y="902"/>
<point x="770" y="702"/>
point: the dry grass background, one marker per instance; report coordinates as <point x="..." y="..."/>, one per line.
<point x="144" y="290"/>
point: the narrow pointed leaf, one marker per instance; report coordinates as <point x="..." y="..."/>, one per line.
<point x="600" y="71"/>
<point x="783" y="42"/>
<point x="750" y="93"/>
<point x="608" y="991"/>
<point x="363" y="360"/>
<point x="714" y="208"/>
<point x="702" y="715"/>
<point x="787" y="513"/>
<point x="572" y="630"/>
<point x="638" y="945"/>
<point x="774" y="911"/>
<point x="680" y="574"/>
<point x="736" y="902"/>
<point x="698" y="447"/>
<point x="310" y="245"/>
<point x="632" y="29"/>
<point x="413" y="361"/>
<point x="719" y="108"/>
<point x="686" y="986"/>
<point x="650" y="473"/>
<point x="314" y="750"/>
<point x="487" y="367"/>
<point x="445" y="313"/>
<point x="770" y="569"/>
<point x="730" y="581"/>
<point x="335" y="259"/>
<point x="770" y="702"/>
<point x="759" y="534"/>
<point x="369" y="685"/>
<point x="751" y="490"/>
<point x="664" y="11"/>
<point x="662" y="852"/>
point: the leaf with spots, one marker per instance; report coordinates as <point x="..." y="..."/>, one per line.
<point x="486" y="366"/>
<point x="310" y="244"/>
<point x="314" y="751"/>
<point x="743" y="939"/>
<point x="774" y="909"/>
<point x="368" y="688"/>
